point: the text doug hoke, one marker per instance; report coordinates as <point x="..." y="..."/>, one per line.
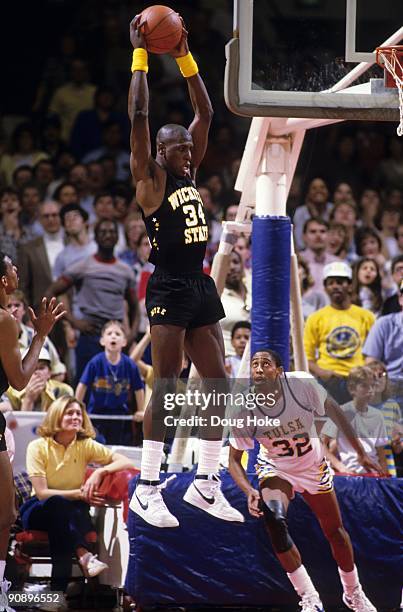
<point x="250" y="420"/>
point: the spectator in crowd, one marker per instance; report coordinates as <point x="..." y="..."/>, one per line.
<point x="213" y="209"/>
<point x="66" y="193"/>
<point x="78" y="244"/>
<point x="369" y="206"/>
<point x="240" y="335"/>
<point x="104" y="285"/>
<point x="134" y="227"/>
<point x="104" y="209"/>
<point x="315" y="254"/>
<point x="391" y="304"/>
<point x="337" y="241"/>
<point x="56" y="465"/>
<point x="44" y="175"/>
<point x="384" y="402"/>
<point x="236" y="299"/>
<point x="111" y="379"/>
<point x="366" y="421"/>
<point x="17" y="306"/>
<point x="367" y="289"/>
<point x="88" y="126"/>
<point x="242" y="245"/>
<point x="122" y="200"/>
<point x="343" y="192"/>
<point x="36" y="259"/>
<point x="316" y="206"/>
<point x="389" y="220"/>
<point x="41" y="389"/>
<point x="311" y="300"/>
<point x="112" y="146"/>
<point x="21" y="176"/>
<point x="30" y="200"/>
<point x="346" y="213"/>
<point x="385" y="342"/>
<point x="230" y="212"/>
<point x="96" y="177"/>
<point x="334" y="335"/>
<point x="74" y="96"/>
<point x="23" y="152"/>
<point x="12" y="233"/>
<point x="78" y="175"/>
<point x="369" y="244"/>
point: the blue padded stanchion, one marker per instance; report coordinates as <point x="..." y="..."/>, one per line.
<point x="271" y="255"/>
<point x="206" y="561"/>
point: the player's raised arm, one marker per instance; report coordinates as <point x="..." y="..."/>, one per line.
<point x="203" y="110"/>
<point x="140" y="143"/>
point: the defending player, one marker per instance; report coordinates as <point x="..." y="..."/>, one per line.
<point x="15" y="372"/>
<point x="182" y="303"/>
<point x="291" y="458"/>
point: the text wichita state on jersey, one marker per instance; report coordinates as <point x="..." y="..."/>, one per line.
<point x="178" y="229"/>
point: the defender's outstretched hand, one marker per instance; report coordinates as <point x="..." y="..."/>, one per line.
<point x="49" y="313"/>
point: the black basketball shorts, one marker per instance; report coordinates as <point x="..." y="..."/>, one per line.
<point x="188" y="301"/>
<point x="3" y="445"/>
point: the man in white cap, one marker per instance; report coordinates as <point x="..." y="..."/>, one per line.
<point x="335" y="334"/>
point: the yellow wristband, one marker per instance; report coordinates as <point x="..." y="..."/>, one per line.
<point x="187" y="65"/>
<point x="140" y="60"/>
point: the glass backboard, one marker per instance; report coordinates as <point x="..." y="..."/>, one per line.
<point x="287" y="54"/>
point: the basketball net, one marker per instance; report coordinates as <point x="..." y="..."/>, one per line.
<point x="391" y="59"/>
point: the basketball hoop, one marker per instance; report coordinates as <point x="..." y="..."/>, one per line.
<point x="391" y="60"/>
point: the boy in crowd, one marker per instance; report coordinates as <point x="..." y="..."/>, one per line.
<point x="111" y="378"/>
<point x="240" y="335"/>
<point x="367" y="423"/>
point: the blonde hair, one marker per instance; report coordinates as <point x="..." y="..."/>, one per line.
<point x="114" y="322"/>
<point x="51" y="424"/>
<point x="360" y="374"/>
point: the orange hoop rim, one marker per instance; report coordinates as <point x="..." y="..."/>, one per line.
<point x="395" y="51"/>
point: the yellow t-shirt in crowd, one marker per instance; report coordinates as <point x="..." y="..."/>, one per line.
<point x="334" y="338"/>
<point x="64" y="468"/>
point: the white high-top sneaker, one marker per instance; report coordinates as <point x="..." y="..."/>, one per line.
<point x="311" y="603"/>
<point x="205" y="493"/>
<point x="358" y="601"/>
<point x="147" y="502"/>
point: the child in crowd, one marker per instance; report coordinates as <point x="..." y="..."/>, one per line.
<point x="369" y="288"/>
<point x="111" y="378"/>
<point x="240" y="335"/>
<point x="391" y="413"/>
<point x="367" y="423"/>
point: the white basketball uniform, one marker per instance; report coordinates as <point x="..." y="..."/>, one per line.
<point x="292" y="450"/>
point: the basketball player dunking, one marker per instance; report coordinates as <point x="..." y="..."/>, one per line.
<point x="15" y="372"/>
<point x="182" y="302"/>
<point x="291" y="458"/>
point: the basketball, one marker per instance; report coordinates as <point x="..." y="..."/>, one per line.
<point x="161" y="27"/>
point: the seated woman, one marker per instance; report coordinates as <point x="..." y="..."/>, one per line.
<point x="56" y="463"/>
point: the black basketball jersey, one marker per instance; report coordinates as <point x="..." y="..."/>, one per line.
<point x="3" y="378"/>
<point x="178" y="230"/>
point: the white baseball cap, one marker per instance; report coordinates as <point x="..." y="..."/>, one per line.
<point x="43" y="355"/>
<point x="337" y="268"/>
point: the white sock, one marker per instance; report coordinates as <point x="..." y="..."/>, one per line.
<point x="209" y="456"/>
<point x="349" y="580"/>
<point x="2" y="569"/>
<point x="151" y="458"/>
<point x="301" y="581"/>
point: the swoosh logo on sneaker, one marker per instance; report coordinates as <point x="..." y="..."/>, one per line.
<point x="144" y="506"/>
<point x="209" y="500"/>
